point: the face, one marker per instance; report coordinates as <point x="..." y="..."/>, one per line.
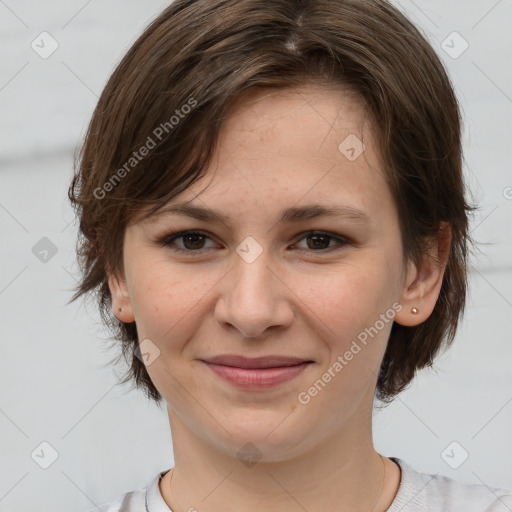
<point x="322" y="287"/>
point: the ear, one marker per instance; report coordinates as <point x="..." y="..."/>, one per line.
<point x="121" y="304"/>
<point x="423" y="280"/>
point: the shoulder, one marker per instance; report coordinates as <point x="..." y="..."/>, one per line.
<point x="137" y="500"/>
<point x="127" y="502"/>
<point x="424" y="491"/>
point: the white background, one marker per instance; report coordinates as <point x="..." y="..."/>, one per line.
<point x="56" y="384"/>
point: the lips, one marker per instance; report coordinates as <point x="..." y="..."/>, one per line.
<point x="272" y="361"/>
<point x="256" y="374"/>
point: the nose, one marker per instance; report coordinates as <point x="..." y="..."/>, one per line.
<point x="254" y="299"/>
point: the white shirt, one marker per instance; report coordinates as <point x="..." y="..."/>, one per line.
<point x="418" y="492"/>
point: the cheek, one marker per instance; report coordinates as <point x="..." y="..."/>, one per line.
<point x="347" y="321"/>
<point x="165" y="300"/>
<point x="351" y="297"/>
<point x="353" y="314"/>
<point x="169" y="305"/>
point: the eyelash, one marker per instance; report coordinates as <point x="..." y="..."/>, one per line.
<point x="171" y="237"/>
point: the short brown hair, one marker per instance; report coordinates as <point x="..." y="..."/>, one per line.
<point x="205" y="54"/>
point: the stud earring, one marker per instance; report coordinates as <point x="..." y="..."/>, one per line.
<point x="414" y="311"/>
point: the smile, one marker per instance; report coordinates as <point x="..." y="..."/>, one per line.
<point x="257" y="378"/>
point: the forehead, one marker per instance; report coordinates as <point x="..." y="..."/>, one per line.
<point x="260" y="110"/>
<point x="291" y="147"/>
<point x="311" y="140"/>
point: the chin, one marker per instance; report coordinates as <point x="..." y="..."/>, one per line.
<point x="273" y="440"/>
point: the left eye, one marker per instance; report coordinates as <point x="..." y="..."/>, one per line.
<point x="193" y="241"/>
<point x="322" y="240"/>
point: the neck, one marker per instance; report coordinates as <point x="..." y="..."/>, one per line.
<point x="343" y="473"/>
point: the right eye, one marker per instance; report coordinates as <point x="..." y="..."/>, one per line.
<point x="192" y="241"/>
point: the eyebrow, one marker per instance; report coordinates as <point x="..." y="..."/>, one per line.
<point x="289" y="215"/>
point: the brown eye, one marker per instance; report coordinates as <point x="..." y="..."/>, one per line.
<point x="321" y="242"/>
<point x="191" y="242"/>
<point x="318" y="241"/>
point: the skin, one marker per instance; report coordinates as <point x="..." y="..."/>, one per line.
<point x="277" y="150"/>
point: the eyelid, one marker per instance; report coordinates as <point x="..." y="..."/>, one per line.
<point x="302" y="235"/>
<point x="172" y="235"/>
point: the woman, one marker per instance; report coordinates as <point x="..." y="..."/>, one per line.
<point x="272" y="205"/>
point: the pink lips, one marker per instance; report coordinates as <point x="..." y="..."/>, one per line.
<point x="256" y="373"/>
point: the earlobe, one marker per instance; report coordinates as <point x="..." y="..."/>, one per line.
<point x="121" y="304"/>
<point x="423" y="282"/>
<point x="411" y="298"/>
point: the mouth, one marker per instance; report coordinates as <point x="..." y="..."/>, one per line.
<point x="256" y="373"/>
